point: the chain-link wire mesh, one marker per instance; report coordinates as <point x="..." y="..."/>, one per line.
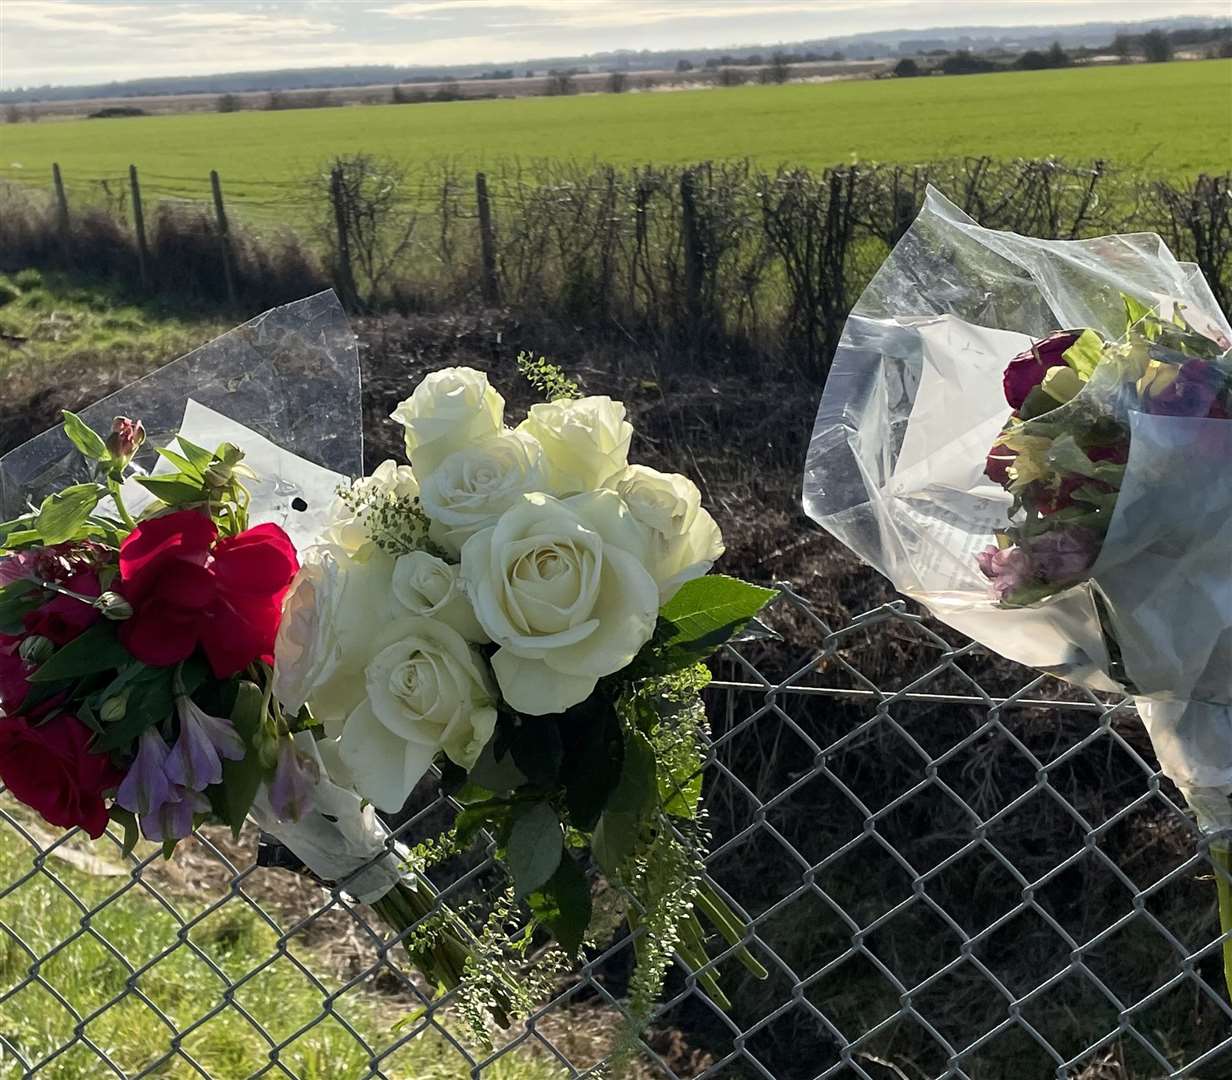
<point x="951" y="867"/>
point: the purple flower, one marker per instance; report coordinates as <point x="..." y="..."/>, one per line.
<point x="295" y="777"/>
<point x="146" y="789"/>
<point x="1063" y="554"/>
<point x="1008" y="568"/>
<point x="174" y="820"/>
<point x="195" y="761"/>
<point x="1191" y="393"/>
<point x="1027" y="370"/>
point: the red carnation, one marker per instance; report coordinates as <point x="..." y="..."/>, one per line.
<point x="1027" y="370"/>
<point x="49" y="769"/>
<point x="188" y="588"/>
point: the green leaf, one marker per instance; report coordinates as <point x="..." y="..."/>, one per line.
<point x="174" y="490"/>
<point x="15" y="601"/>
<point x="638" y="787"/>
<point x="615" y="839"/>
<point x="150" y="701"/>
<point x="1066" y="456"/>
<point x="64" y="512"/>
<point x="500" y="775"/>
<point x="127" y="820"/>
<point x="536" y="748"/>
<point x="594" y="755"/>
<point x="241" y="780"/>
<point x="535" y="847"/>
<point x="198" y="456"/>
<point x="84" y="437"/>
<point x="97" y="649"/>
<point x="564" y="905"/>
<point x="704" y="614"/>
<point x="180" y="462"/>
<point x="1135" y="311"/>
<point x="1085" y="354"/>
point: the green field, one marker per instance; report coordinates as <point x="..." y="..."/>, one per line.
<point x="1169" y="119"/>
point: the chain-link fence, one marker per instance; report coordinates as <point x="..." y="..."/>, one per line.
<point x="951" y="868"/>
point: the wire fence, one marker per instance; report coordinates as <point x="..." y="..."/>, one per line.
<point x="952" y="867"/>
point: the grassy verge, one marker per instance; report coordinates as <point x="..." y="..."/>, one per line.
<point x="45" y="317"/>
<point x="80" y="913"/>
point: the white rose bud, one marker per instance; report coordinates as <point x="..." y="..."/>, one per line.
<point x="448" y="410"/>
<point x="429" y="587"/>
<point x="560" y="587"/>
<point x="426" y="691"/>
<point x="472" y="487"/>
<point x="585" y="441"/>
<point x="683" y="540"/>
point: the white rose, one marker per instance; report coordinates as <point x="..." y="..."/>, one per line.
<point x="684" y="540"/>
<point x="389" y="483"/>
<point x="448" y="410"/>
<point x="560" y="587"/>
<point x="585" y="441"/>
<point x="427" y="586"/>
<point x="426" y="691"/>
<point x="472" y="487"/>
<point x="331" y="612"/>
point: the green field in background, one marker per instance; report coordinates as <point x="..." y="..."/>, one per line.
<point x="1168" y="119"/>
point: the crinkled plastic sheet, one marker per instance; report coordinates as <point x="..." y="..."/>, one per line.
<point x="913" y="403"/>
<point x="289" y="376"/>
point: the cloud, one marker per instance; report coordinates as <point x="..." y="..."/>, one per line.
<point x="583" y="14"/>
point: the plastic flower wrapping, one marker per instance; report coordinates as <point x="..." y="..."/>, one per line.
<point x="208" y="615"/>
<point x="1031" y="438"/>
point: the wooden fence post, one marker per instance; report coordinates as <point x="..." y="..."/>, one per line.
<point x="487" y="241"/>
<point x="224" y="237"/>
<point x="694" y="268"/>
<point x="143" y="251"/>
<point x="62" y="223"/>
<point x="346" y="276"/>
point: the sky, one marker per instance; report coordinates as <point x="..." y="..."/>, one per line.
<point x="89" y="41"/>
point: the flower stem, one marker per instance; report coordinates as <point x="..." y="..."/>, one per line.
<point x="1221" y="855"/>
<point x="121" y="509"/>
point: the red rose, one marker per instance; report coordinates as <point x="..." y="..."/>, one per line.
<point x="50" y="770"/>
<point x="188" y="588"/>
<point x="1027" y="370"/>
<point x="997" y="467"/>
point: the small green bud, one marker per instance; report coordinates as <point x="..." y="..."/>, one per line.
<point x="114" y="607"/>
<point x="114" y="708"/>
<point x="35" y="649"/>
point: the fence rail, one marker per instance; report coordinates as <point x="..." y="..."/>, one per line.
<point x="952" y="867"/>
<point x="711" y="261"/>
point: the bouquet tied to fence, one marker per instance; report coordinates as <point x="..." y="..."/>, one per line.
<point x="242" y="633"/>
<point x="1031" y="439"/>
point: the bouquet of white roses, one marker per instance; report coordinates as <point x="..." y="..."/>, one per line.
<point x="527" y="610"/>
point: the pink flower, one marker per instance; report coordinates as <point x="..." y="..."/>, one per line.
<point x="1027" y="370"/>
<point x="1008" y="568"/>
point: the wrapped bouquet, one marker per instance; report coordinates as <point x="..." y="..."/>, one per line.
<point x="1029" y="437"/>
<point x="221" y="626"/>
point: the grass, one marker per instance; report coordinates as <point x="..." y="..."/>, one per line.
<point x="46" y="318"/>
<point x="38" y="913"/>
<point x="1170" y="118"/>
